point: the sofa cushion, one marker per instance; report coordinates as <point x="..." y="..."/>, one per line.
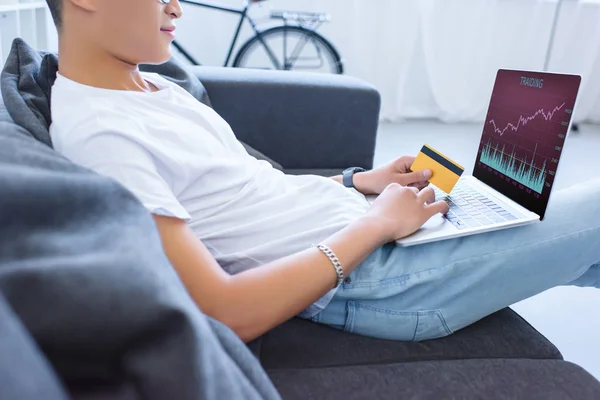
<point x="26" y="363"/>
<point x="86" y="285"/>
<point x="25" y="84"/>
<point x="465" y="379"/>
<point x="302" y="344"/>
<point x="4" y="115"/>
<point x="321" y="171"/>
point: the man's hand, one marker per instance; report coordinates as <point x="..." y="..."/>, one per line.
<point x="400" y="211"/>
<point x="397" y="171"/>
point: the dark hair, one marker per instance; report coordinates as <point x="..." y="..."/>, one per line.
<point x="56" y="11"/>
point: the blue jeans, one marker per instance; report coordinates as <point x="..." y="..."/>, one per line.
<point x="429" y="291"/>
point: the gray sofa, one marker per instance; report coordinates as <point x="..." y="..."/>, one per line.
<point x="306" y="124"/>
<point x="88" y="296"/>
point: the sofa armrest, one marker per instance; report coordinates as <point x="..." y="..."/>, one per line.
<point x="301" y="120"/>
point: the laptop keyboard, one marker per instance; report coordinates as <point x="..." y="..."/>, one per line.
<point x="470" y="208"/>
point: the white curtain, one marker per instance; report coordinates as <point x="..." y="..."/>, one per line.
<point x="433" y="58"/>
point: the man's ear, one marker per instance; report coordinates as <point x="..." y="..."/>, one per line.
<point x="87" y="5"/>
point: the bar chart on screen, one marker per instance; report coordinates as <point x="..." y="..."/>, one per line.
<point x="521" y="170"/>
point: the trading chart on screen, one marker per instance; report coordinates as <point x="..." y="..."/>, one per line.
<point x="524" y="133"/>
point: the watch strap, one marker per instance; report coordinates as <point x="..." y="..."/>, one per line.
<point x="348" y="176"/>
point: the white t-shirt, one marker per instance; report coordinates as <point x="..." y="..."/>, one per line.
<point x="181" y="159"/>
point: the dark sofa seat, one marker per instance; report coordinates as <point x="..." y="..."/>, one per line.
<point x="465" y="379"/>
<point x="304" y="344"/>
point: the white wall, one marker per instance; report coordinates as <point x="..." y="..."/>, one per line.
<point x="29" y="20"/>
<point x="433" y="58"/>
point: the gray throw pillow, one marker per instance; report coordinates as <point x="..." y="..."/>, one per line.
<point x="29" y="74"/>
<point x="26" y="80"/>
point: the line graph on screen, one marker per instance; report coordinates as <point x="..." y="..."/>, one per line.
<point x="523" y="120"/>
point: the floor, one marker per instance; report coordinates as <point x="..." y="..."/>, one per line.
<point x="566" y="316"/>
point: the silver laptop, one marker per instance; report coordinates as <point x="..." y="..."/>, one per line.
<point x="529" y="117"/>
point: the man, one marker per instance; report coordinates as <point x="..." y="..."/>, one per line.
<point x="240" y="233"/>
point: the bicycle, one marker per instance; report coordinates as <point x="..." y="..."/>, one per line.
<point x="270" y="48"/>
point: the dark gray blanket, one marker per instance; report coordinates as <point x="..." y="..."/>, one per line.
<point x="90" y="307"/>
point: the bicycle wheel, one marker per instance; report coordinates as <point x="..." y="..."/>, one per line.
<point x="289" y="48"/>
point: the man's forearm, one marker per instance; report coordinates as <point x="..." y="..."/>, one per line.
<point x="257" y="300"/>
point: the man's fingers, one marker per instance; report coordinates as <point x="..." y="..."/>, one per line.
<point x="411" y="178"/>
<point x="407" y="160"/>
<point x="427" y="195"/>
<point x="439" y="207"/>
<point x="420" y="185"/>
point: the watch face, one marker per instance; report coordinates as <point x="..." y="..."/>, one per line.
<point x="355" y="169"/>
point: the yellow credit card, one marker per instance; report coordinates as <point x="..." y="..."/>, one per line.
<point x="444" y="172"/>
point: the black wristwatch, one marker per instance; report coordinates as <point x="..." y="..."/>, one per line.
<point x="348" y="176"/>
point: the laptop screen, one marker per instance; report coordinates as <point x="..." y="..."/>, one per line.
<point x="524" y="133"/>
